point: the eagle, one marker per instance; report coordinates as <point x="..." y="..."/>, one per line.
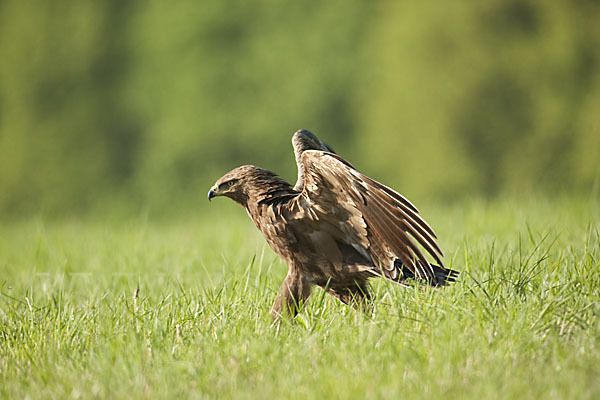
<point x="335" y="228"/>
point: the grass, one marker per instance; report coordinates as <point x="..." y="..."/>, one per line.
<point x="523" y="322"/>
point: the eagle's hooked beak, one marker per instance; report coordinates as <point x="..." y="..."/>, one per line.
<point x="211" y="193"/>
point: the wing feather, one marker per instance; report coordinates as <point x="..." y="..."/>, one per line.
<point x="408" y="210"/>
<point x="394" y="228"/>
<point x="408" y="225"/>
<point x="396" y="231"/>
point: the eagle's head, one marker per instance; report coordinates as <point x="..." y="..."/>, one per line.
<point x="246" y="182"/>
<point x="232" y="184"/>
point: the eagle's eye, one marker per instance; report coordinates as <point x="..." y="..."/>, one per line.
<point x="226" y="185"/>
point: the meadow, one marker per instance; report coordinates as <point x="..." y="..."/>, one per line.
<point x="165" y="308"/>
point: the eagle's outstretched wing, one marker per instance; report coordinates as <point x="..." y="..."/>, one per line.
<point x="395" y="233"/>
<point x="301" y="141"/>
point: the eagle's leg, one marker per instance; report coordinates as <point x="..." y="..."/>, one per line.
<point x="294" y="290"/>
<point x="356" y="295"/>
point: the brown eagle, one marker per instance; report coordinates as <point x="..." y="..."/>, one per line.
<point x="336" y="228"/>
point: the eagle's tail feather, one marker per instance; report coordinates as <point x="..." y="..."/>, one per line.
<point x="441" y="276"/>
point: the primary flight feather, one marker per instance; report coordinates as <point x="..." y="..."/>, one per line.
<point x="336" y="227"/>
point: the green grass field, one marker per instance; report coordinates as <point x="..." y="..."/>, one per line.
<point x="522" y="322"/>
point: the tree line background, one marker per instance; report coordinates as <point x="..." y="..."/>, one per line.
<point x="146" y="103"/>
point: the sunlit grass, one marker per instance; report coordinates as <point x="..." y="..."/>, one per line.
<point x="523" y="321"/>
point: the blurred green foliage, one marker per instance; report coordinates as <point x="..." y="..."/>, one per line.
<point x="146" y="103"/>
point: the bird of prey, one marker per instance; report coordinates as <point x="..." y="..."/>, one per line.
<point x="335" y="228"/>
